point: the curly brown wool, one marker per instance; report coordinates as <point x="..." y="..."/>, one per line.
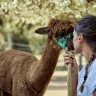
<point x="22" y="74"/>
<point x="61" y="25"/>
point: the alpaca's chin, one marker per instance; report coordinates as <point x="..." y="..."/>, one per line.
<point x="57" y="47"/>
<point x="70" y="48"/>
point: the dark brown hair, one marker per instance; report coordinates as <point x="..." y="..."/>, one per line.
<point x="87" y="27"/>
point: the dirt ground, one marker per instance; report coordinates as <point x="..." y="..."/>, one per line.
<point x="57" y="85"/>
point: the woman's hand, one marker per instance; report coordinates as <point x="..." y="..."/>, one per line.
<point x="70" y="59"/>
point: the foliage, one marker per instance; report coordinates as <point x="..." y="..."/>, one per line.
<point x="21" y="17"/>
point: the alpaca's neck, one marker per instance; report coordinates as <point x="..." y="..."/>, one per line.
<point x="50" y="55"/>
<point x="46" y="66"/>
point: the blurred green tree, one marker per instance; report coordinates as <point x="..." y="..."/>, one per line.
<point x="20" y="18"/>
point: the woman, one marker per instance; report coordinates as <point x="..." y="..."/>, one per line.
<point x="84" y="41"/>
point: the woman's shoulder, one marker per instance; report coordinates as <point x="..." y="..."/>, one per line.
<point x="90" y="84"/>
<point x="92" y="69"/>
<point x="91" y="80"/>
<point x="82" y="71"/>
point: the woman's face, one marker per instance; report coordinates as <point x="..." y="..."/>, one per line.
<point x="76" y="42"/>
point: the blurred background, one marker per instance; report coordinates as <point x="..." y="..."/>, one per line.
<point x="20" y="18"/>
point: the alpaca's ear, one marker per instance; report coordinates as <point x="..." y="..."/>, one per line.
<point x="43" y="31"/>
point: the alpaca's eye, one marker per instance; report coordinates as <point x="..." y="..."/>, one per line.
<point x="61" y="33"/>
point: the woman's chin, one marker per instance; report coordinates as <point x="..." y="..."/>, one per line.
<point x="76" y="51"/>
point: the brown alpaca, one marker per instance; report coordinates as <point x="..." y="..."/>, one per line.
<point x="22" y="74"/>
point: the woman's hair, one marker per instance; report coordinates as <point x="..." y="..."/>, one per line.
<point x="87" y="27"/>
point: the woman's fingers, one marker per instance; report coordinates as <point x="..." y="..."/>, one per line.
<point x="68" y="58"/>
<point x="66" y="62"/>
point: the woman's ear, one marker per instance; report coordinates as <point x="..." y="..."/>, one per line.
<point x="80" y="37"/>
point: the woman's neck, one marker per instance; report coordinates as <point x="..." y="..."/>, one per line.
<point x="87" y="56"/>
<point x="87" y="53"/>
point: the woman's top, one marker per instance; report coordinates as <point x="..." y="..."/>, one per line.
<point x="90" y="84"/>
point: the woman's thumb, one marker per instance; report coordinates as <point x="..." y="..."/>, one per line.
<point x="66" y="51"/>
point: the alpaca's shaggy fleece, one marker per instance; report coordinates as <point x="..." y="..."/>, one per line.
<point x="22" y="74"/>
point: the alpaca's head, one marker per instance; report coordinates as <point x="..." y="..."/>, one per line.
<point x="59" y="29"/>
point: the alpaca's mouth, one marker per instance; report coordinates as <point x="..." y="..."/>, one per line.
<point x="63" y="41"/>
